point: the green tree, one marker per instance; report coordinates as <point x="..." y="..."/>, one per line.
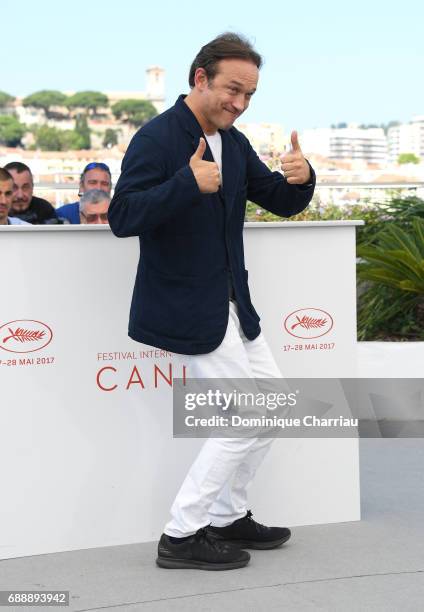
<point x="110" y="138"/>
<point x="76" y="139"/>
<point x="90" y="100"/>
<point x="408" y="158"/>
<point x="48" y="138"/>
<point x="70" y="140"/>
<point x="135" y="112"/>
<point x="83" y="131"/>
<point x="5" y="99"/>
<point x="11" y="131"/>
<point x="52" y="139"/>
<point x="45" y="99"/>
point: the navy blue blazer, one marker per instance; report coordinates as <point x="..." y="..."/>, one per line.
<point x="189" y="241"/>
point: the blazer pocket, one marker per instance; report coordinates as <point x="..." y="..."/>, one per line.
<point x="188" y="307"/>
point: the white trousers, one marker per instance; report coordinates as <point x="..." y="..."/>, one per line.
<point x="215" y="488"/>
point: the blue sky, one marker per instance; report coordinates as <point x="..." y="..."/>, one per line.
<point x="325" y="62"/>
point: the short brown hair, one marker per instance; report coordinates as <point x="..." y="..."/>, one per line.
<point x="5" y="175"/>
<point x="226" y="46"/>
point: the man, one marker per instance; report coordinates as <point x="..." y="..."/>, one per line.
<point x="96" y="175"/>
<point x="6" y="197"/>
<point x="185" y="179"/>
<point x="26" y="205"/>
<point x="93" y="207"/>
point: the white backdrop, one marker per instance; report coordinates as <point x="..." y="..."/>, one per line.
<point x="87" y="454"/>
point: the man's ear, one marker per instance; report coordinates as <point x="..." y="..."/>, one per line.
<point x="200" y="78"/>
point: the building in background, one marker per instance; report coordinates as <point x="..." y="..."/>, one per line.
<point x="265" y="138"/>
<point x="155" y="90"/>
<point x="155" y="87"/>
<point x="406" y="138"/>
<point x="316" y="141"/>
<point x="353" y="164"/>
<point x="61" y="118"/>
<point x="367" y="145"/>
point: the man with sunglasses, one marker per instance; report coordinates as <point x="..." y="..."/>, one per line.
<point x="93" y="207"/>
<point x="96" y="175"/>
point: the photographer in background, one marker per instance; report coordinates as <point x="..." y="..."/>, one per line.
<point x="93" y="207"/>
<point x="25" y="205"/>
<point x="96" y="175"/>
<point x="6" y="195"/>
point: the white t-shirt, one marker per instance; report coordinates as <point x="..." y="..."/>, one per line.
<point x="215" y="144"/>
<point x="16" y="221"/>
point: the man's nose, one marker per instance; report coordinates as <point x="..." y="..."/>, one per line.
<point x="239" y="103"/>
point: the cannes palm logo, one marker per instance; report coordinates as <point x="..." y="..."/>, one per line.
<point x="24" y="336"/>
<point x="308" y="323"/>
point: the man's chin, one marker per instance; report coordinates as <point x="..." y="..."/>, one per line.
<point x="20" y="208"/>
<point x="228" y="124"/>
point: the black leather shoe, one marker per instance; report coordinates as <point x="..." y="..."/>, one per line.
<point x="200" y="551"/>
<point x="247" y="533"/>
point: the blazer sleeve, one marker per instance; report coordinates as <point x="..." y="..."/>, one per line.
<point x="272" y="191"/>
<point x="145" y="195"/>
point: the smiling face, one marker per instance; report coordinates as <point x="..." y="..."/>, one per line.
<point x="96" y="179"/>
<point x="224" y="98"/>
<point x="6" y="196"/>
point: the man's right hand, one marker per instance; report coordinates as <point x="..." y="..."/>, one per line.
<point x="206" y="173"/>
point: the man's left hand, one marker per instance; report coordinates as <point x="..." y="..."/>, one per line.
<point x="295" y="167"/>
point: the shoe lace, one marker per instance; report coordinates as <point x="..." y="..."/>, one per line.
<point x="249" y="517"/>
<point x="202" y="535"/>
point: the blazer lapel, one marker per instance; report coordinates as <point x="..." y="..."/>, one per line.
<point x="230" y="153"/>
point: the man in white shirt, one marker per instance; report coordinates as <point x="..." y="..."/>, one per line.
<point x="183" y="188"/>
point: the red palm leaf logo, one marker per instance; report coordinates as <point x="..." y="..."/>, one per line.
<point x="308" y="323"/>
<point x="26" y="336"/>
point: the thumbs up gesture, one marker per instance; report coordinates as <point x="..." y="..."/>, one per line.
<point x="206" y="173"/>
<point x="294" y="165"/>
